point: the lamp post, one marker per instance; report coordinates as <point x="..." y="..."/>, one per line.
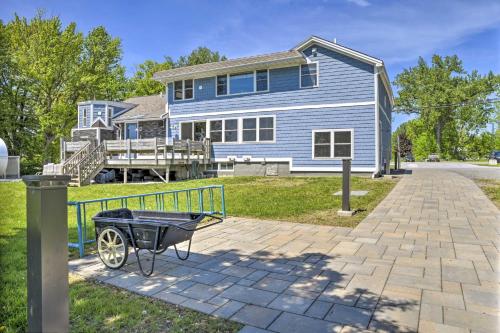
<point x="47" y="238"/>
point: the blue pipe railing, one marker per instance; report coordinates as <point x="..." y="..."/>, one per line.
<point x="175" y="200"/>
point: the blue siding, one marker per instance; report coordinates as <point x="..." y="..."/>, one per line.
<point x="294" y="135"/>
<point x="80" y="115"/>
<point x="341" y="79"/>
<point x="385" y="114"/>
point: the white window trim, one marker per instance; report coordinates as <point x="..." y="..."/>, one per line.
<point x="257" y="128"/>
<point x="239" y="129"/>
<point x="224" y="130"/>
<point x="228" y="85"/>
<point x="332" y="143"/>
<point x="183" y="90"/>
<point x="219" y="169"/>
<point x="207" y="127"/>
<point x="317" y="75"/>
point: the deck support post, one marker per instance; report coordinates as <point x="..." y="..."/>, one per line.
<point x="47" y="239"/>
<point x="156" y="150"/>
<point x="167" y="173"/>
<point x="125" y="175"/>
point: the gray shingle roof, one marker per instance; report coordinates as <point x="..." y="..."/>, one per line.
<point x="200" y="70"/>
<point x="146" y="107"/>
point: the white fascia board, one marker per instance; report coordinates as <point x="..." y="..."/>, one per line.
<point x="338" y="48"/>
<point x="285" y="108"/>
<point x="293" y="168"/>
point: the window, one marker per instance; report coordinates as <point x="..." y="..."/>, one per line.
<point x="110" y="115"/>
<point x="178" y="90"/>
<point x="226" y="166"/>
<point x="241" y="83"/>
<point x="309" y="75"/>
<point x="333" y="144"/>
<point x="85" y="116"/>
<point x="230" y="130"/>
<point x="222" y="166"/>
<point x="259" y="129"/>
<point x="261" y="80"/>
<point x="266" y="129"/>
<point x="186" y="131"/>
<point x="221" y="85"/>
<point x="322" y="144"/>
<point x="250" y="129"/>
<point x="216" y="130"/>
<point x="183" y="90"/>
<point x="188" y="89"/>
<point x="342" y="144"/>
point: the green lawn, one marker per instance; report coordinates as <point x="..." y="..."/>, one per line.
<point x="98" y="308"/>
<point x="491" y="188"/>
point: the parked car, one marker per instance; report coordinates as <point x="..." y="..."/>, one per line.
<point x="432" y="158"/>
<point x="495" y="155"/>
<point x="409" y="158"/>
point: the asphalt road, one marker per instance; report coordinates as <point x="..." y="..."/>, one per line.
<point x="468" y="170"/>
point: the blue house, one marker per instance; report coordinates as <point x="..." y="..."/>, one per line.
<point x="296" y="112"/>
<point x="293" y="112"/>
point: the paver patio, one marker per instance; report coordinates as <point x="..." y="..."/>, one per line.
<point x="425" y="259"/>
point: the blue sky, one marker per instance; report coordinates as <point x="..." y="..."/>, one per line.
<point x="395" y="31"/>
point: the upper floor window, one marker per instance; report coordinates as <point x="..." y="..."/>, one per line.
<point x="262" y="80"/>
<point x="333" y="143"/>
<point x="221" y="85"/>
<point x="242" y="83"/>
<point x="85" y="116"/>
<point x="183" y="90"/>
<point x="309" y="75"/>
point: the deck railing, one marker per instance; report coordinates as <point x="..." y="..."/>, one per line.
<point x="207" y="199"/>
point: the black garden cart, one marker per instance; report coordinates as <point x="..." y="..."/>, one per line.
<point x="154" y="231"/>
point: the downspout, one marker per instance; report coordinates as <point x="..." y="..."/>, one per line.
<point x="377" y="130"/>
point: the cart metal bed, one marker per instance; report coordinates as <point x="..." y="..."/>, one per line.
<point x="154" y="231"/>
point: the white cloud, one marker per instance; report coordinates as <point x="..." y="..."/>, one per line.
<point x="361" y="3"/>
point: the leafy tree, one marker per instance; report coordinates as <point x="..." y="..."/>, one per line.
<point x="45" y="69"/>
<point x="142" y="83"/>
<point x="451" y="103"/>
<point x="201" y="55"/>
<point x="102" y="75"/>
<point x="404" y="143"/>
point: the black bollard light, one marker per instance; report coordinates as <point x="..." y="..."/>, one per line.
<point x="346" y="189"/>
<point x="47" y="237"/>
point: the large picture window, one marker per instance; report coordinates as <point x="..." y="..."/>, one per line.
<point x="241" y="83"/>
<point x="183" y="90"/>
<point x="309" y="75"/>
<point x="333" y="144"/>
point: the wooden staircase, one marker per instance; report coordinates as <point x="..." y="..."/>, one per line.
<point x="85" y="164"/>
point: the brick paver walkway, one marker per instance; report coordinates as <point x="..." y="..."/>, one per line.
<point x="426" y="259"/>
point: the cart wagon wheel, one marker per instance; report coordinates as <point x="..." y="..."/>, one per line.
<point x="112" y="246"/>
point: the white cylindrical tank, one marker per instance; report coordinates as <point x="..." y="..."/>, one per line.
<point x="4" y="159"/>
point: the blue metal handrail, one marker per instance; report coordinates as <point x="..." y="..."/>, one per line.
<point x="174" y="200"/>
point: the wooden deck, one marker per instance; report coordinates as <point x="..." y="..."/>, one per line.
<point x="87" y="159"/>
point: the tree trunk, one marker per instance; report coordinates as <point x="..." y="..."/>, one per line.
<point x="438" y="137"/>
